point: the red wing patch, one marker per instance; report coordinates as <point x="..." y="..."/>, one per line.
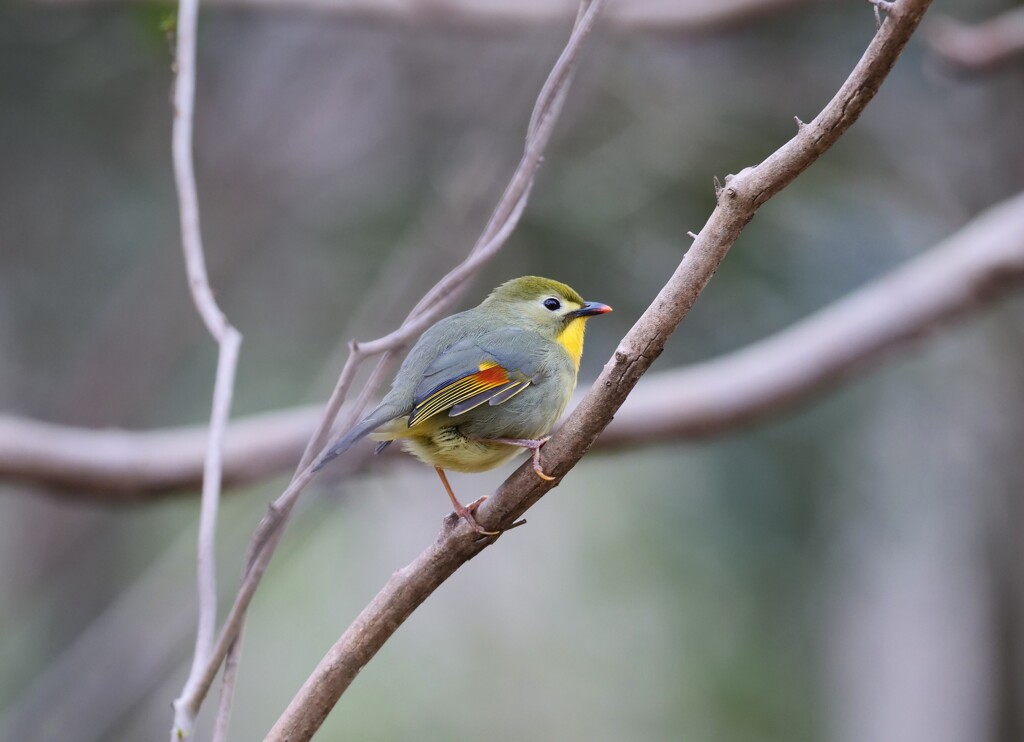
<point x="489" y="376"/>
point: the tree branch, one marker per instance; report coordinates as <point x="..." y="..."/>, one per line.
<point x="978" y="47"/>
<point x="228" y="341"/>
<point x="121" y="466"/>
<point x="457" y="542"/>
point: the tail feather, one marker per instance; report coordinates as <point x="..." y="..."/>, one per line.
<point x="374" y="420"/>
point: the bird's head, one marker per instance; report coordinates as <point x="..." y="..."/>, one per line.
<point x="549" y="308"/>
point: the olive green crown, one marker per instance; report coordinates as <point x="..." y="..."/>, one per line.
<point x="527" y="288"/>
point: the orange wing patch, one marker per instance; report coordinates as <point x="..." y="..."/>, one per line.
<point x="488" y="376"/>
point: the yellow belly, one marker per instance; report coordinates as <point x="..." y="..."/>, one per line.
<point x="447" y="449"/>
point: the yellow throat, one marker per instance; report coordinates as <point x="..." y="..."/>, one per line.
<point x="571" y="338"/>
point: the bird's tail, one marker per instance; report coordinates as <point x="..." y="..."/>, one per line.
<point x="374" y="420"/>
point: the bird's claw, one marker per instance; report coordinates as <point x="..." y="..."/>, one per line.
<point x="468" y="514"/>
<point x="534" y="446"/>
<point x="537" y="468"/>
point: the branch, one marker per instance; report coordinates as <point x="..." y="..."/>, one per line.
<point x="966" y="273"/>
<point x="457" y="542"/>
<point x="228" y="341"/>
<point x="644" y="15"/>
<point x="433" y="305"/>
<point x="978" y="47"/>
<point x="120" y="466"/>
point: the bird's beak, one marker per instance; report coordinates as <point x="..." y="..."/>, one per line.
<point x="591" y="308"/>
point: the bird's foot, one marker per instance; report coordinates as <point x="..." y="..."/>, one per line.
<point x="464" y="512"/>
<point x="468" y="514"/>
<point x="534" y="445"/>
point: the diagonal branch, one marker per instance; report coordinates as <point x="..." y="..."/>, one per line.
<point x="228" y="340"/>
<point x="457" y="542"/>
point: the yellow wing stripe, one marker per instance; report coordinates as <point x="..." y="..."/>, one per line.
<point x="447" y="397"/>
<point x="489" y="375"/>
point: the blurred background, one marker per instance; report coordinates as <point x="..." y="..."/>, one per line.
<point x="849" y="571"/>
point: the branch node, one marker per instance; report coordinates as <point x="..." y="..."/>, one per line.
<point x="718" y="186"/>
<point x="692" y="235"/>
<point x="448" y="524"/>
<point x="881" y="5"/>
<point x="800" y="125"/>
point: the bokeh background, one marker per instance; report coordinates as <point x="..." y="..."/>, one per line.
<point x="850" y="571"/>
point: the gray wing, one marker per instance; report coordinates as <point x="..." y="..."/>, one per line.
<point x="490" y="369"/>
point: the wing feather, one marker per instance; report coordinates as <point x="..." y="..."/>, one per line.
<point x="504" y="395"/>
<point x="488" y="379"/>
<point x="491" y="368"/>
<point x="495" y="396"/>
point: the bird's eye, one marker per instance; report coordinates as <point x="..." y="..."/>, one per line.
<point x="553" y="304"/>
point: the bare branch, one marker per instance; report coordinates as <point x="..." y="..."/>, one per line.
<point x="122" y="466"/>
<point x="978" y="47"/>
<point x="228" y="340"/>
<point x="645" y="15"/>
<point x="457" y="542"/>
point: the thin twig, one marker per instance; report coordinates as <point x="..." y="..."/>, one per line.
<point x="436" y="302"/>
<point x="228" y="340"/>
<point x="457" y="542"/>
<point x="227" y="691"/>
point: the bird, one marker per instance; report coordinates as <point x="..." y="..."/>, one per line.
<point x="480" y="386"/>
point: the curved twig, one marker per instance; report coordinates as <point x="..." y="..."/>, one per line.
<point x="228" y="339"/>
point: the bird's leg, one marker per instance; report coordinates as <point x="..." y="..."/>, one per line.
<point x="464" y="512"/>
<point x="533" y="445"/>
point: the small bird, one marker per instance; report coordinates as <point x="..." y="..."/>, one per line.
<point x="482" y="385"/>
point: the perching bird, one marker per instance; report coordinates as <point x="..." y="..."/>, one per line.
<point x="480" y="385"/>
